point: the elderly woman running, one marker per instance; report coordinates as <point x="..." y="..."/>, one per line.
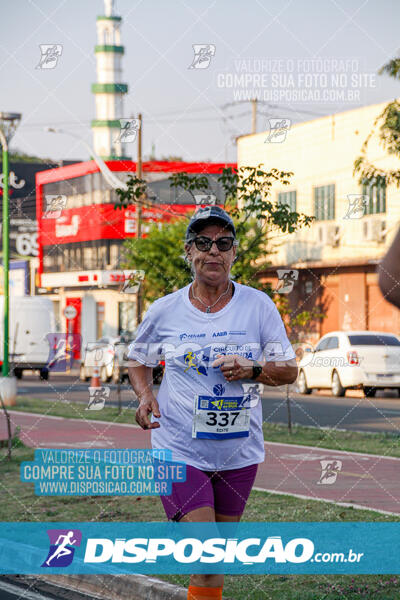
<point x="220" y="340"/>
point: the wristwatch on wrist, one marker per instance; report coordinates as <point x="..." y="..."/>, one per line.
<point x="257" y="369"/>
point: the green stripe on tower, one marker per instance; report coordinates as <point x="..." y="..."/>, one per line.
<point x="109" y="88"/>
<point x="109" y="48"/>
<point x="106" y="123"/>
<point x="104" y="18"/>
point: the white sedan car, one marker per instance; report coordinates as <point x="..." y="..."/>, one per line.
<point x="108" y="353"/>
<point x="99" y="354"/>
<point x="351" y="359"/>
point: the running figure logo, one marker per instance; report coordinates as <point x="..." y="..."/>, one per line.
<point x="357" y="206"/>
<point x="286" y="280"/>
<point x="330" y="470"/>
<point x="132" y="282"/>
<point x="251" y="394"/>
<point x="98" y="397"/>
<point x="202" y="199"/>
<point x="129" y="130"/>
<point x="278" y="129"/>
<point x="50" y="53"/>
<point x="61" y="551"/>
<point x="55" y="206"/>
<point x="198" y="363"/>
<point x="190" y="360"/>
<point x="203" y="54"/>
<point x="62" y="347"/>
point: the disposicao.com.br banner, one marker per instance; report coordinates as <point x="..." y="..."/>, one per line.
<point x="244" y="548"/>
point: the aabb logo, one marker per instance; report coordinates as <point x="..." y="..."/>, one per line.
<point x="62" y="547"/>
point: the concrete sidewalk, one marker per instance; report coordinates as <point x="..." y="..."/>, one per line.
<point x="119" y="587"/>
<point x="364" y="481"/>
<point x="92" y="587"/>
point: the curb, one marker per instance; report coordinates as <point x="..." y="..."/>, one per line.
<point x="118" y="587"/>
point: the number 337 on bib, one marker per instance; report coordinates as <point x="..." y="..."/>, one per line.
<point x="220" y="418"/>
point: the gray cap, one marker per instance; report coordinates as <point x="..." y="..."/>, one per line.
<point x="208" y="215"/>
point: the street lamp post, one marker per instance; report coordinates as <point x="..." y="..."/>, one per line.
<point x="139" y="216"/>
<point x="8" y="124"/>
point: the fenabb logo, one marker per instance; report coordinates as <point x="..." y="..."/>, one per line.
<point x="191" y="336"/>
<point x="191" y="550"/>
<point x="62" y="547"/>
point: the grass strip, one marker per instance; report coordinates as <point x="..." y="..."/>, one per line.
<point x="383" y="444"/>
<point x="19" y="503"/>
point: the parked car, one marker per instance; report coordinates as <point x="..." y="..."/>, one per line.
<point x="31" y="320"/>
<point x="101" y="354"/>
<point x="110" y="355"/>
<point x="351" y="359"/>
<point x="121" y="362"/>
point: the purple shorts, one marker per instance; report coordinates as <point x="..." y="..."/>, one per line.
<point x="225" y="491"/>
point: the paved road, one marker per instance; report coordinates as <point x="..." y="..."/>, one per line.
<point x="352" y="412"/>
<point x="362" y="480"/>
<point x="10" y="591"/>
<point x="32" y="588"/>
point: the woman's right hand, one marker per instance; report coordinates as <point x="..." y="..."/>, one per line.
<point x="143" y="411"/>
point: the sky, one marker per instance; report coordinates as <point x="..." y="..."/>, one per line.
<point x="329" y="51"/>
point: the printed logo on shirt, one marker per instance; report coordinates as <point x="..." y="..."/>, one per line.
<point x="218" y="389"/>
<point x="241" y="332"/>
<point x="220" y="333"/>
<point x="196" y="360"/>
<point x="191" y="336"/>
<point x="245" y="350"/>
<point x="218" y="403"/>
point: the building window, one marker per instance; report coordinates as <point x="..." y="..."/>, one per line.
<point x="308" y="287"/>
<point x="57" y="314"/>
<point x="126" y="316"/>
<point x="324" y="202"/>
<point x="289" y="198"/>
<point x="100" y="318"/>
<point x="115" y="255"/>
<point x="375" y="190"/>
<point x="87" y="257"/>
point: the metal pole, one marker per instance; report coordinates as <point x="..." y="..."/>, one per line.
<point x="139" y="215"/>
<point x="119" y="395"/>
<point x="254" y="116"/>
<point x="9" y="436"/>
<point x="5" y="368"/>
<point x="288" y="409"/>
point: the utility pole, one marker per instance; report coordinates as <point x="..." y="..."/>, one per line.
<point x="139" y="214"/>
<point x="6" y="258"/>
<point x="254" y="116"/>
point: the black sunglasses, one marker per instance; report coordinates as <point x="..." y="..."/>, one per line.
<point x="204" y="244"/>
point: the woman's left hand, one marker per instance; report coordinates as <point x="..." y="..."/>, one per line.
<point x="234" y="367"/>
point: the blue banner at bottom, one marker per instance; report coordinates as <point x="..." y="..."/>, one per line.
<point x="229" y="548"/>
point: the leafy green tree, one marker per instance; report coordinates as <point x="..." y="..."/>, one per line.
<point x="160" y="256"/>
<point x="17" y="155"/>
<point x="387" y="125"/>
<point x="247" y="198"/>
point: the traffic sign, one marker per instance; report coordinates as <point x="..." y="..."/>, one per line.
<point x="70" y="312"/>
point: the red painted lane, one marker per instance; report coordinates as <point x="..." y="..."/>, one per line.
<point x="39" y="431"/>
<point x="370" y="481"/>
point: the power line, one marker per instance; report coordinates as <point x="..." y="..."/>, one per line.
<point x="160" y="117"/>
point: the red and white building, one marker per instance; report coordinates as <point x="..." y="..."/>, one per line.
<point x="80" y="251"/>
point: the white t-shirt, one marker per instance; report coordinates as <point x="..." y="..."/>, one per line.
<point x="189" y="340"/>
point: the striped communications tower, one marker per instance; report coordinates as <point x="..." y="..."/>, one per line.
<point x="109" y="90"/>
